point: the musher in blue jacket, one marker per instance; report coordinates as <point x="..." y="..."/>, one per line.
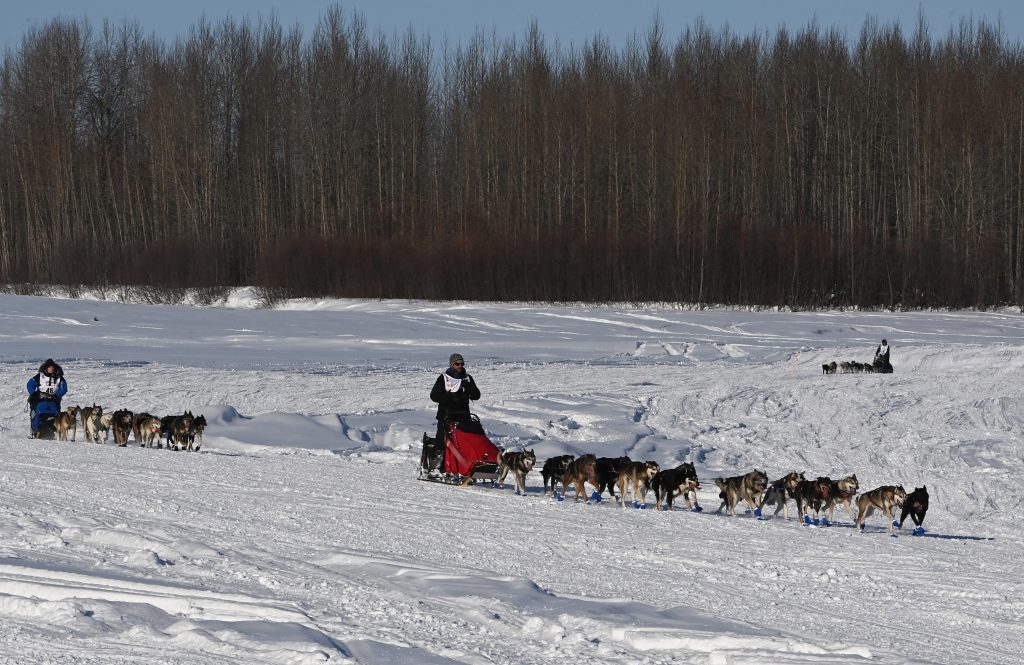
<point x="44" y="392"/>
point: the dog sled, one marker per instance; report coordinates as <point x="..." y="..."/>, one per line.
<point x="43" y="413"/>
<point x="465" y="456"/>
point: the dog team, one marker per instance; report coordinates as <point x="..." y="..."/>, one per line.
<point x="183" y="432"/>
<point x="879" y="365"/>
<point x="819" y="497"/>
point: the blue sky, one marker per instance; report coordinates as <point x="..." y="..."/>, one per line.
<point x="569" y="20"/>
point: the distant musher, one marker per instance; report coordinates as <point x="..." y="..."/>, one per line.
<point x="881" y="363"/>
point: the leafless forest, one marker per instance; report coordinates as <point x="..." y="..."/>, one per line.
<point x="805" y="168"/>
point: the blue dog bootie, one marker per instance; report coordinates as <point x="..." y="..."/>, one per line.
<point x="595" y="496"/>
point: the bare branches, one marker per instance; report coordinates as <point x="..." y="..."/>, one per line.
<point x="794" y="168"/>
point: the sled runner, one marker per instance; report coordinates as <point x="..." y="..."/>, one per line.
<point x="466" y="455"/>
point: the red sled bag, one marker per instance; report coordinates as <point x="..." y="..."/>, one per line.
<point x="469" y="452"/>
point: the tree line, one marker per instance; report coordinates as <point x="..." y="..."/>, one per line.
<point x="799" y="168"/>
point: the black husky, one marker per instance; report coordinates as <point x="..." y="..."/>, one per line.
<point x="915" y="505"/>
<point x="607" y="470"/>
<point x="680" y="481"/>
<point x="554" y="468"/>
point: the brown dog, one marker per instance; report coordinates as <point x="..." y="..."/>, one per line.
<point x="843" y="491"/>
<point x="65" y="421"/>
<point x="638" y="476"/>
<point x="180" y="428"/>
<point x="578" y="473"/>
<point x="812" y="494"/>
<point x="137" y="419"/>
<point x="886" y="498"/>
<point x="146" y="429"/>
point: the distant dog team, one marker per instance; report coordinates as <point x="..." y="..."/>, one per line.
<point x="184" y="432"/>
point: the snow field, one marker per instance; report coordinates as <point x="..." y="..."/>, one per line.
<point x="301" y="535"/>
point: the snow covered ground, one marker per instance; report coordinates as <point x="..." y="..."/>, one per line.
<point x="300" y="533"/>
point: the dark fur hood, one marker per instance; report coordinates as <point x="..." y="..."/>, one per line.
<point x="58" y="371"/>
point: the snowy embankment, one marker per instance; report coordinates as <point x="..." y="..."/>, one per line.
<point x="300" y="533"/>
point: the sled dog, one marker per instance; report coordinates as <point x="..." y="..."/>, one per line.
<point x="121" y="423"/>
<point x="680" y="481"/>
<point x="175" y="429"/>
<point x="147" y="429"/>
<point x="90" y="416"/>
<point x="519" y="463"/>
<point x="103" y="426"/>
<point x="196" y="431"/>
<point x="915" y="505"/>
<point x="137" y="419"/>
<point x="813" y="495"/>
<point x="553" y="469"/>
<point x="578" y="473"/>
<point x="607" y="472"/>
<point x="885" y="498"/>
<point x="66" y="420"/>
<point x="843" y="491"/>
<point x="638" y="476"/>
<point x="747" y="487"/>
<point x="780" y="491"/>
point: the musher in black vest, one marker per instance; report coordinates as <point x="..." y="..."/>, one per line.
<point x="453" y="390"/>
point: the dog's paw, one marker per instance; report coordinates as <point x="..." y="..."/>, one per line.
<point x="919" y="531"/>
